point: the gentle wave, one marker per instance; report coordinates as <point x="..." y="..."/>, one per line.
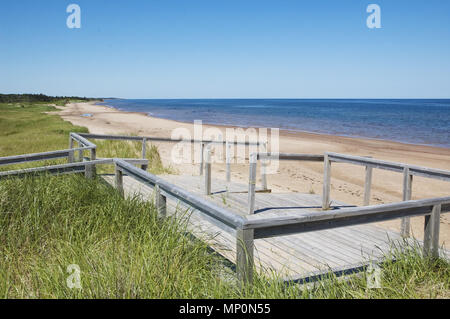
<point x="424" y="122"/>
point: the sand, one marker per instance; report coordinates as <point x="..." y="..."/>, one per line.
<point x="347" y="180"/>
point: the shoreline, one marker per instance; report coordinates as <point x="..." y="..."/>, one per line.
<point x="304" y="177"/>
<point x="289" y="132"/>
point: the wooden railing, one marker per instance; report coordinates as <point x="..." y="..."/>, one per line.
<point x="252" y="227"/>
<point x="263" y="157"/>
<point x="18" y="159"/>
<point x="203" y="144"/>
<point x="408" y="172"/>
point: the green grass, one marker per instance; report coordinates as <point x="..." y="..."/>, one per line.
<point x="25" y="128"/>
<point x="125" y="251"/>
<point x="131" y="149"/>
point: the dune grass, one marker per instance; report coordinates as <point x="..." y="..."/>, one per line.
<point x="26" y="128"/>
<point x="124" y="250"/>
<point x="131" y="149"/>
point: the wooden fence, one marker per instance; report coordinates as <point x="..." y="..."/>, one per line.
<point x="408" y="172"/>
<point x="247" y="229"/>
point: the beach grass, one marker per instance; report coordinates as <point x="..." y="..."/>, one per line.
<point x="131" y="149"/>
<point x="124" y="250"/>
<point x="26" y="128"/>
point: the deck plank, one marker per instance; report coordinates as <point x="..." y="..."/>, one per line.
<point x="288" y="256"/>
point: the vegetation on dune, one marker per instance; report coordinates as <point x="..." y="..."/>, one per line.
<point x="26" y="128"/>
<point x="39" y="98"/>
<point x="125" y="251"/>
<point x="131" y="149"/>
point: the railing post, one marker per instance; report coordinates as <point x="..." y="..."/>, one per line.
<point x="252" y="183"/>
<point x="228" y="160"/>
<point x="119" y="181"/>
<point x="244" y="255"/>
<point x="144" y="153"/>
<point x="70" y="141"/>
<point x="367" y="185"/>
<point x="90" y="169"/>
<point x="201" y="160"/>
<point x="70" y="158"/>
<point x="263" y="168"/>
<point x="160" y="202"/>
<point x="407" y="191"/>
<point x="208" y="171"/>
<point x="431" y="233"/>
<point x="80" y="152"/>
<point x="326" y="183"/>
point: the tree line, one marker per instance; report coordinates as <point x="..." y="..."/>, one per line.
<point x="33" y="98"/>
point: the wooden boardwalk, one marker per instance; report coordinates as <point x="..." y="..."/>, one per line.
<point x="297" y="236"/>
<point x="296" y="256"/>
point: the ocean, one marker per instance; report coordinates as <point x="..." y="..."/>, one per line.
<point x="425" y="122"/>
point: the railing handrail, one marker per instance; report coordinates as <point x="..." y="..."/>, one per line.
<point x="69" y="167"/>
<point x="284" y="225"/>
<point x="291" y="157"/>
<point x="219" y="213"/>
<point x="392" y="166"/>
<point x="80" y="139"/>
<point x="34" y="157"/>
<point x="161" y="139"/>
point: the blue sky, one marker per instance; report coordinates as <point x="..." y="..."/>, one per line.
<point x="226" y="49"/>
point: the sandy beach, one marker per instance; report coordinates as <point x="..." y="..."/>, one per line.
<point x="347" y="180"/>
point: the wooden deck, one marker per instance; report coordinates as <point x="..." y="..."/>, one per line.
<point x="298" y="256"/>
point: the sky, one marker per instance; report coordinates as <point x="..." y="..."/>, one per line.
<point x="226" y="49"/>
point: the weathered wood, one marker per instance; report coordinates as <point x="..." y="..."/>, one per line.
<point x="71" y="157"/>
<point x="53" y="169"/>
<point x="405" y="228"/>
<point x="252" y="184"/>
<point x="202" y="153"/>
<point x="326" y="183"/>
<point x="228" y="160"/>
<point x="284" y="225"/>
<point x="220" y="214"/>
<point x="367" y="185"/>
<point x="244" y="255"/>
<point x="35" y="157"/>
<point x="80" y="152"/>
<point x="431" y="232"/>
<point x="158" y="139"/>
<point x="80" y="139"/>
<point x="91" y="171"/>
<point x="391" y="166"/>
<point x="133" y="161"/>
<point x="119" y="181"/>
<point x="291" y="157"/>
<point x="297" y="254"/>
<point x="160" y="202"/>
<point x="144" y="152"/>
<point x="208" y="171"/>
<point x="263" y="168"/>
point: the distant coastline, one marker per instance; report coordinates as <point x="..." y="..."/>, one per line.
<point x="403" y="121"/>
